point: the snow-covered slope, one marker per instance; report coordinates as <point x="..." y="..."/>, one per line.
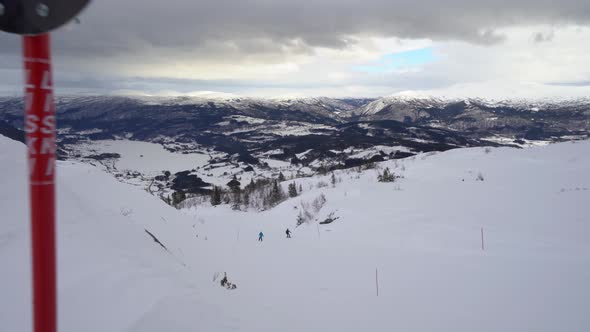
<point x="112" y="275"/>
<point x="422" y="234"/>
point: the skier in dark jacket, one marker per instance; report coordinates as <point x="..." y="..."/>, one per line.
<point x="288" y="233"/>
<point x="260" y="236"/>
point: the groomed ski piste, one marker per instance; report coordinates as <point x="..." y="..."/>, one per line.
<point x="421" y="234"/>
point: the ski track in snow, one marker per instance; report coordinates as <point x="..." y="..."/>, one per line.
<point x="421" y="233"/>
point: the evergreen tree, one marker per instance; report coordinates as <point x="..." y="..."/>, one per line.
<point x="276" y="194"/>
<point x="246" y="198"/>
<point x="292" y="190"/>
<point x="281" y="177"/>
<point x="234" y="185"/>
<point x="177" y="197"/>
<point x="237" y="201"/>
<point x="333" y="180"/>
<point x="300" y="189"/>
<point x="216" y="196"/>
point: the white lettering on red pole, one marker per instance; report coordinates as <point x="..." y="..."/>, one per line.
<point x="49" y="106"/>
<point x="40" y="128"/>
<point x="46" y="83"/>
<point x="50" y="167"/>
<point x="31" y="141"/>
<point x="31" y="123"/>
<point x="48" y="124"/>
<point x="47" y="146"/>
<point x="28" y="84"/>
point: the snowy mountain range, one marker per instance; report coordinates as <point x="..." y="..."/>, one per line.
<point x="148" y="117"/>
<point x="320" y="134"/>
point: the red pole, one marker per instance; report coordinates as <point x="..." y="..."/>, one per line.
<point x="40" y="132"/>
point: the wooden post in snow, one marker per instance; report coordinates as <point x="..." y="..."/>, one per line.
<point x="482" y="243"/>
<point x="377" y="281"/>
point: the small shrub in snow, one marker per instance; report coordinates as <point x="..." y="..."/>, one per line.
<point x="303" y="217"/>
<point x="319" y="202"/>
<point x="305" y="214"/>
<point x="479" y="177"/>
<point x="321" y="184"/>
<point x="307" y="211"/>
<point x="126" y="212"/>
<point x="487" y="150"/>
<point x="386" y="176"/>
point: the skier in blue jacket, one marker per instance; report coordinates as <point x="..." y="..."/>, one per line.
<point x="260" y="236"/>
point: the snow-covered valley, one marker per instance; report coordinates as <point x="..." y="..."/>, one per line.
<point x="419" y="237"/>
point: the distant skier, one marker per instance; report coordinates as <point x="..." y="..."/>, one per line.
<point x="224" y="280"/>
<point x="288" y="233"/>
<point x="260" y="236"/>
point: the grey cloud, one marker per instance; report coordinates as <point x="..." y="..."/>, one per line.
<point x="419" y="80"/>
<point x="126" y="26"/>
<point x="113" y="33"/>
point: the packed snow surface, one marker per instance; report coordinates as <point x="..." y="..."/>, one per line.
<point x="420" y="237"/>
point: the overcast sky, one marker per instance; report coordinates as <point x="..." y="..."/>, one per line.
<point x="495" y="49"/>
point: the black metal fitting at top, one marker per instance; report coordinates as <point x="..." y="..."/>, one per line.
<point x="33" y="17"/>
